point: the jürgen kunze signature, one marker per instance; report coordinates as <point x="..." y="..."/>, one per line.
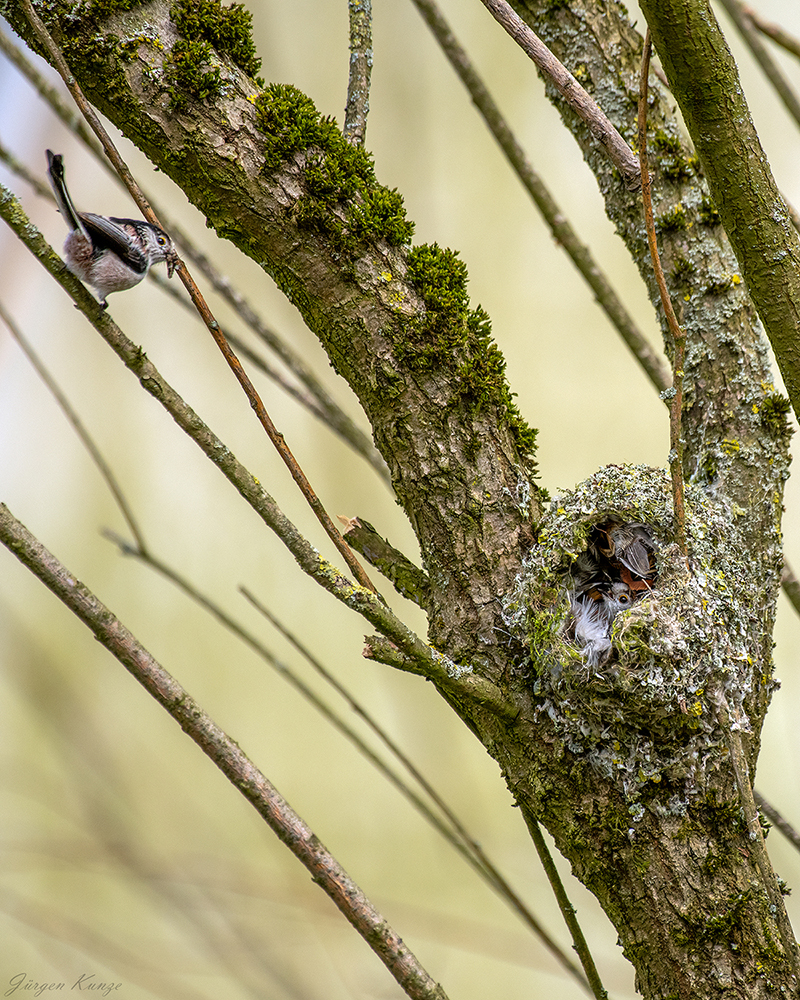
<point x="88" y="982"/>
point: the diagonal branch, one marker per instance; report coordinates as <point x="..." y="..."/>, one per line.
<point x="741" y="17"/>
<point x="774" y="31"/>
<point x="234" y="364"/>
<point x="227" y="756"/>
<point x="573" y="93"/>
<point x="77" y="424"/>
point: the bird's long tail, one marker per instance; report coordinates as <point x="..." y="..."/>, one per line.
<point x="55" y="168"/>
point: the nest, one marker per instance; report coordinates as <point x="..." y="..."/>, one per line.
<point x="631" y="646"/>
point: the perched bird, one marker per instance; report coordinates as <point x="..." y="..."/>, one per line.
<point x="107" y="253"/>
<point x="617" y="568"/>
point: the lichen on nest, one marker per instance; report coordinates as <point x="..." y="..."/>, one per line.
<point x="647" y="719"/>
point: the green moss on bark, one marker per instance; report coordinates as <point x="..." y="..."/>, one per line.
<point x="457" y="339"/>
<point x="647" y="720"/>
<point x="190" y="71"/>
<point x="228" y="29"/>
<point x="343" y="198"/>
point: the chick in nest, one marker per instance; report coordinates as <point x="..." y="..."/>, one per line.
<point x="617" y="568"/>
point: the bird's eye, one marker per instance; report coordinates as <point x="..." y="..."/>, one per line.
<point x="162" y="241"/>
<point x="623" y="598"/>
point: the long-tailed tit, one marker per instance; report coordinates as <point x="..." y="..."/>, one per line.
<point x="631" y="544"/>
<point x="594" y="610"/>
<point x="617" y="568"/>
<point x="107" y="253"/>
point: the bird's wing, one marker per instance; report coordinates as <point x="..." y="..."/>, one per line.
<point x="114" y="234"/>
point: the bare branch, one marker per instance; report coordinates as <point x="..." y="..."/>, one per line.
<point x="573" y="93"/>
<point x="355" y="118"/>
<point x="79" y="428"/>
<point x="567" y="909"/>
<point x="560" y="227"/>
<point x="678" y="335"/>
<point x="778" y="820"/>
<point x="775" y="32"/>
<point x="791" y="586"/>
<point x="227" y="756"/>
<point x="740" y="16"/>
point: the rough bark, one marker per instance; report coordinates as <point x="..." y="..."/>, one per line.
<point x="733" y="418"/>
<point x="705" y="82"/>
<point x="627" y="766"/>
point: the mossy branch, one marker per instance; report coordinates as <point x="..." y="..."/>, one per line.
<point x="705" y="81"/>
<point x="407" y="579"/>
<point x="428" y="661"/>
<point x="281" y="181"/>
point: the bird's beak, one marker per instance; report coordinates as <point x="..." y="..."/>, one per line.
<point x="171" y="262"/>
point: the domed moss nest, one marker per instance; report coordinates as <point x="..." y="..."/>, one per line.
<point x="648" y="718"/>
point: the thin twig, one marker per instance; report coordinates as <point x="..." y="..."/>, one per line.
<point x="19" y="168"/>
<point x="573" y="93"/>
<point x="77" y="424"/>
<point x="234" y="364"/>
<point x="226" y="755"/>
<point x="777" y="820"/>
<point x="791" y="586"/>
<point x="458" y="835"/>
<point x="561" y="229"/>
<point x="334" y="415"/>
<point x="740" y="16"/>
<point x="461" y="680"/>
<point x="567" y="909"/>
<point x="66" y="112"/>
<point x="678" y="335"/>
<point x="355" y="116"/>
<point x="256" y="360"/>
<point x="774" y="31"/>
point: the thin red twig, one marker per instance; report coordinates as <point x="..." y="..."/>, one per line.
<point x="200" y="304"/>
<point x="678" y="335"/>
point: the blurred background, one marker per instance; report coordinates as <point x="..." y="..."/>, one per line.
<point x="125" y="854"/>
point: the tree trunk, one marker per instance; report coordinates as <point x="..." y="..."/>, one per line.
<point x="627" y="764"/>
